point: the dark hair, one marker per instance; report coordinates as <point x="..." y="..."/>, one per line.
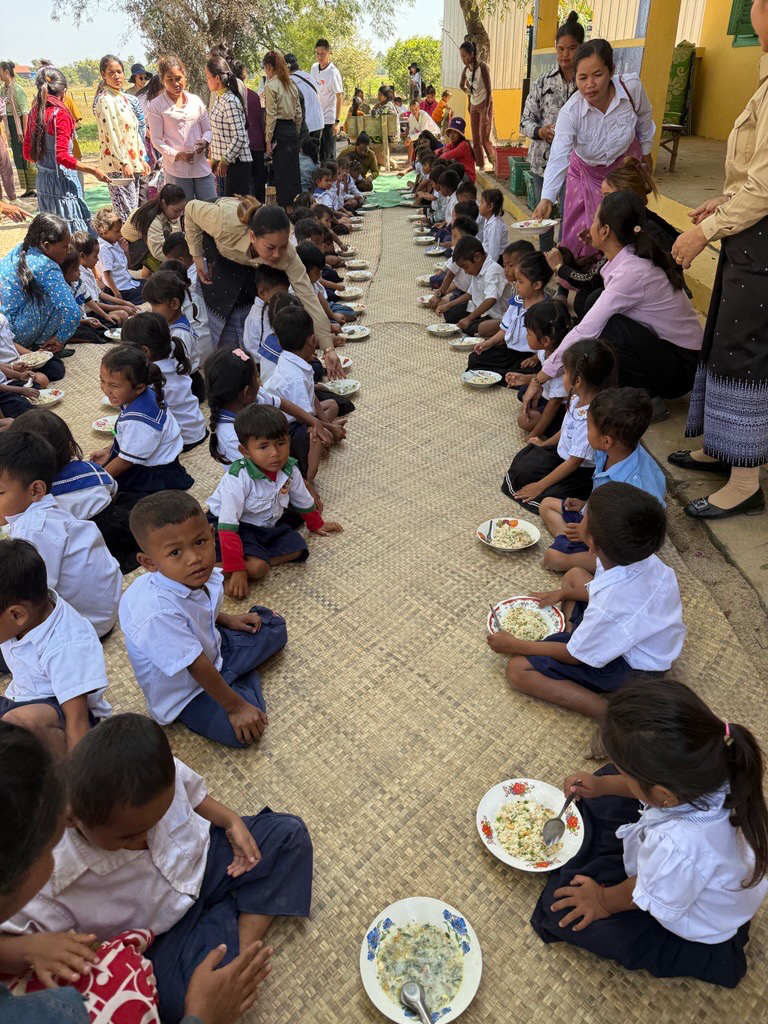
<point x="70" y="261"/>
<point x="26" y="456"/>
<point x="31" y="792"/>
<point x="466" y="225"/>
<point x="175" y="266"/>
<point x="126" y="764"/>
<point x="131" y="363"/>
<point x="167" y="63"/>
<point x="599" y="48"/>
<point x="164" y="508"/>
<point x="227" y="375"/>
<point x="49" y="81"/>
<point x="9" y="66"/>
<point x="300" y="213"/>
<point x="627" y="524"/>
<point x="142" y="218"/>
<point x="323" y="42"/>
<point x="343" y="163"/>
<point x="24" y="577"/>
<point x="151" y="331"/>
<point x="469" y="47"/>
<point x="267" y="220"/>
<point x="521" y="245"/>
<point x="494" y="198"/>
<point x="622" y="413"/>
<point x="332" y="166"/>
<point x="106" y="60"/>
<point x="310" y="256"/>
<point x="449" y="180"/>
<point x="260" y="421"/>
<point x="660" y="733"/>
<point x="466" y="208"/>
<point x="467" y="248"/>
<point x="293" y="325"/>
<point x="592" y="361"/>
<point x="321" y="172"/>
<point x="280" y="69"/>
<point x="167" y="284"/>
<point x="176" y="242"/>
<point x="46" y="227"/>
<point x="363" y="139"/>
<point x="534" y="266"/>
<point x="571" y="27"/>
<point x="56" y="432"/>
<point x="467" y="187"/>
<point x="302" y="201"/>
<point x="239" y="69"/>
<point x="306" y="228"/>
<point x="549" y="319"/>
<point x="218" y="67"/>
<point x="84" y="243"/>
<point x="266" y="276"/>
<point x="309" y="147"/>
<point x="437" y="172"/>
<point x="625" y="214"/>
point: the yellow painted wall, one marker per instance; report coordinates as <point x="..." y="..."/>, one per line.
<point x="507" y="105"/>
<point x="727" y="75"/>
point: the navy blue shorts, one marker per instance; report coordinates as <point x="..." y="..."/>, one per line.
<point x="266" y="542"/>
<point x="600" y="680"/>
<point x="6" y="705"/>
<point x="561" y="542"/>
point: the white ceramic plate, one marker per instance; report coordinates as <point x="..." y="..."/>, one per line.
<point x="424" y="239"/>
<point x="442" y="266"/>
<point x="104" y="424"/>
<point x="435" y="250"/>
<point x="46" y="397"/>
<point x="551" y="614"/>
<point x="423" y="279"/>
<point x="342" y="388"/>
<point x="121" y="181"/>
<point x="355" y="227"/>
<point x="533" y="532"/>
<point x="359" y="275"/>
<point x="424" y="300"/>
<point x="463" y="344"/>
<point x="349" y="293"/>
<point x="409" y="203"/>
<point x="354" y="332"/>
<point x="33" y="360"/>
<point x="113" y="334"/>
<point x="443" y="330"/>
<point x="356" y="264"/>
<point x="348" y="252"/>
<point x="480" y="378"/>
<point x="542" y="793"/>
<point x="357" y="307"/>
<point x="533" y="225"/>
<point x="420" y="910"/>
<point x="346" y="362"/>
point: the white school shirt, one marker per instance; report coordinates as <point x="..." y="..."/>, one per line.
<point x="513" y="325"/>
<point x="199" y="323"/>
<point x="294" y="379"/>
<point x="494" y="235"/>
<point x="89" y="282"/>
<point x="635" y="612"/>
<point x="553" y="388"/>
<point x="689" y="864"/>
<point x="490" y="283"/>
<point x="461" y="278"/>
<point x="167" y="625"/>
<point x="141" y="444"/>
<point x="113" y="259"/>
<point x="449" y="207"/>
<point x="599" y="139"/>
<point x="573" y="435"/>
<point x="325" y="197"/>
<point x="83" y="489"/>
<point x="8" y="351"/>
<point x="349" y="189"/>
<point x="181" y="402"/>
<point x="256" y="328"/>
<point x="185" y="332"/>
<point x="79" y="566"/>
<point x="61" y="658"/>
<point x="226" y="438"/>
<point x="106" y="892"/>
<point x="246" y="495"/>
<point x="329" y="85"/>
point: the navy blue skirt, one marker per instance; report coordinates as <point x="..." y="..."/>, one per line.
<point x="561" y="542"/>
<point x="634" y="938"/>
<point x="534" y="463"/>
<point x="599" y="680"/>
<point x="266" y="542"/>
<point x="151" y="479"/>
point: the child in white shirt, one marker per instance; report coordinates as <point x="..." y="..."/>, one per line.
<point x="112" y="310"/>
<point x="494" y="232"/>
<point x="350" y="195"/>
<point x="176" y="250"/>
<point x="112" y="256"/>
<point x="673" y="890"/>
<point x="79" y="566"/>
<point x="193" y="662"/>
<point x="258" y="336"/>
<point x="146" y="847"/>
<point x="248" y="505"/>
<point x="166" y="292"/>
<point x="626" y="618"/>
<point x="546" y="324"/>
<point x="58" y="675"/>
<point x="488" y="288"/>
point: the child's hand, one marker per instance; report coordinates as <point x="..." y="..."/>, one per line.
<point x="30" y="393"/>
<point x="114" y="318"/>
<point x="531" y="361"/>
<point x="321" y="432"/>
<point x="245" y="622"/>
<point x="465" y="324"/>
<point x="248" y="722"/>
<point x="546" y="598"/>
<point x="573" y="531"/>
<point x="481" y="346"/>
<point x="530" y="491"/>
<point x="574" y="504"/>
<point x="247" y="854"/>
<point x="583" y="785"/>
<point x="237" y="585"/>
<point x="503" y="643"/>
<point x="91" y="321"/>
<point x="59" y="955"/>
<point x="335" y="327"/>
<point x="338" y="430"/>
<point x="539" y="441"/>
<point x="101" y="456"/>
<point x="329" y="527"/>
<point x="338" y="340"/>
<point x="582" y="895"/>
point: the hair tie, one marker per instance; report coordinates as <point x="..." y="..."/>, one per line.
<point x="240" y="354"/>
<point x="728" y="738"/>
<point x="637" y="229"/>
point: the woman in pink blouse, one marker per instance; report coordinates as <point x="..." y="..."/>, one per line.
<point x="181" y="131"/>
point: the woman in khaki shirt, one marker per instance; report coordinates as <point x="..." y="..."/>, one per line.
<point x="234" y="236"/>
<point x="729" y="402"/>
<point x="284" y="117"/>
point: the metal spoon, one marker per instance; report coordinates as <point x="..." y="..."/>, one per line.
<point x="554" y="828"/>
<point x="495" y="615"/>
<point x="412" y="996"/>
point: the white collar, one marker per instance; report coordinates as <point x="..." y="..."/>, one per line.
<point x="163" y="583"/>
<point x="620" y="94"/>
<point x="47" y="501"/>
<point x="294" y="360"/>
<point x="41" y="632"/>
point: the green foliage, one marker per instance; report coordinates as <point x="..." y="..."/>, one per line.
<point x="82" y="72"/>
<point x="422" y="50"/>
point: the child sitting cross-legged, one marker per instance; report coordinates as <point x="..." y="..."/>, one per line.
<point x="58" y="675"/>
<point x="194" y="663"/>
<point x="103" y="304"/>
<point x="108" y="224"/>
<point x="146" y="847"/>
<point x="79" y="566"/>
<point x="627" y="618"/>
<point x="546" y="324"/>
<point x="616" y="420"/>
<point x="248" y="505"/>
<point x="489" y="291"/>
<point x="313" y="259"/>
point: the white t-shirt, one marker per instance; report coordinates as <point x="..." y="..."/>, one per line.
<point x="181" y="402"/>
<point x="461" y="278"/>
<point x="256" y="328"/>
<point x="494" y="235"/>
<point x="8" y="351"/>
<point x="573" y="435"/>
<point x="313" y="108"/>
<point x="185" y="332"/>
<point x="553" y="388"/>
<point x="113" y="259"/>
<point x="329" y="85"/>
<point x="89" y="282"/>
<point x="294" y="379"/>
<point x="490" y="283"/>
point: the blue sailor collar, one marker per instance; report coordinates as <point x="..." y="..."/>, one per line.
<point x="79" y="476"/>
<point x="144" y="409"/>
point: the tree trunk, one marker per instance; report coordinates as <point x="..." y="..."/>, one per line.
<point x="476" y="32"/>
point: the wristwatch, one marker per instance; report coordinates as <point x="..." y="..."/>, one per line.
<point x="336" y="121"/>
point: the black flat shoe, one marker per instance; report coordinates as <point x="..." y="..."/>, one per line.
<point x="751" y="506"/>
<point x="66" y="353"/>
<point x="683" y="459"/>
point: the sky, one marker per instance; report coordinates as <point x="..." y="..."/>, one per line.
<point x="31" y="34"/>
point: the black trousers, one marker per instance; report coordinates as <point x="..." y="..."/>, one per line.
<point x="238" y="179"/>
<point x="327" y="144"/>
<point x="258" y="175"/>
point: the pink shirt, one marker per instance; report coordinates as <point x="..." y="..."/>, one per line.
<point x="176" y="129"/>
<point x="641" y="291"/>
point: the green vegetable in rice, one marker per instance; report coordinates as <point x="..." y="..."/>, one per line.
<point x="426" y="954"/>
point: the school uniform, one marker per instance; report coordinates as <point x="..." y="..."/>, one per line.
<point x="688" y="862"/>
<point x="294" y="379"/>
<point x="84" y="332"/>
<point x="54" y="368"/>
<point x="55" y="662"/>
<point x="13" y="403"/>
<point x="490" y="283"/>
<point x="508" y="357"/>
<point x="325" y="197"/>
<point x="534" y="462"/>
<point x="149" y="437"/>
<point x="259" y="339"/>
<point x="183" y="404"/>
<point x="167" y="625"/>
<point x="79" y="566"/>
<point x="633" y="622"/>
<point x="226" y="439"/>
<point x="494" y="235"/>
<point x="198" y="316"/>
<point x="113" y="259"/>
<point x="182" y="329"/>
<point x="349" y="190"/>
<point x="460" y="286"/>
<point x="178" y="887"/>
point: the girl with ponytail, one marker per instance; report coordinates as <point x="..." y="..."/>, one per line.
<point x="674" y="864"/>
<point x="151" y="224"/>
<point x="230" y="147"/>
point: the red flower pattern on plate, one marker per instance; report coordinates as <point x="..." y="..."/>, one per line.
<point x="516" y="789"/>
<point x="487" y="831"/>
<point x="572" y="823"/>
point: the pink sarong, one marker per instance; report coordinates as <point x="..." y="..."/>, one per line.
<point x="582" y="197"/>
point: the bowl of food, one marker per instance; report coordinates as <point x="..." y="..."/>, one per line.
<point x="114" y="334"/>
<point x="356" y="264"/>
<point x="45" y="397"/>
<point x="358" y="308"/>
<point x="104" y="424"/>
<point x="510" y="819"/>
<point x="32" y="360"/>
<point x="524" y="618"/>
<point x="508" y="534"/>
<point x="342" y="388"/>
<point x="354" y="332"/>
<point x="359" y="275"/>
<point x="481" y="378"/>
<point x="414" y="217"/>
<point x="443" y="329"/>
<point x="346" y="253"/>
<point x="424" y="940"/>
<point x="424" y="300"/>
<point x="463" y="344"/>
<point x="435" y="250"/>
<point x="349" y="293"/>
<point x="536" y="226"/>
<point x="423" y="279"/>
<point x="424" y="239"/>
<point x="409" y="203"/>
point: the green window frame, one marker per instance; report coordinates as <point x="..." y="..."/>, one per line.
<point x="740" y="24"/>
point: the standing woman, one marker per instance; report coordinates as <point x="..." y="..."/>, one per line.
<point x="476" y="83"/>
<point x="549" y="94"/>
<point x="48" y="143"/>
<point x="729" y="404"/>
<point x="607" y="120"/>
<point x="121" y="150"/>
<point x="414" y="83"/>
<point x="281" y="99"/>
<point x="148" y="227"/>
<point x="256" y="141"/>
<point x="181" y="132"/>
<point x="230" y="147"/>
<point x="16" y="113"/>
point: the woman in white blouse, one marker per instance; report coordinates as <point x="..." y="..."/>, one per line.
<point x="607" y="120"/>
<point x="230" y="149"/>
